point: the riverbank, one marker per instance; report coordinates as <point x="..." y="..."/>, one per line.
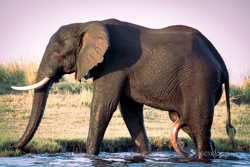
<point x="64" y="126"/>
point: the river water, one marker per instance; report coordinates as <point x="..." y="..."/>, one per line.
<point x="122" y="159"/>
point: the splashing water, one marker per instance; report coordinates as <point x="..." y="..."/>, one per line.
<point x="122" y="159"/>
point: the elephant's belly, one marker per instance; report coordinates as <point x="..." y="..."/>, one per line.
<point x="160" y="99"/>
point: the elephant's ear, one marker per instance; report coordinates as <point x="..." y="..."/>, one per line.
<point x="93" y="44"/>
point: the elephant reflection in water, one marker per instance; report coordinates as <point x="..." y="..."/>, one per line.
<point x="174" y="69"/>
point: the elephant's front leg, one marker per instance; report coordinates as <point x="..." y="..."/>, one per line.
<point x="101" y="113"/>
<point x="107" y="92"/>
<point x="132" y="113"/>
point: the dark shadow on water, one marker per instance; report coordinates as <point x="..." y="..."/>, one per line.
<point x="162" y="158"/>
<point x="137" y="159"/>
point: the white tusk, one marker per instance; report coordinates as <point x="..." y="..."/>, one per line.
<point x="37" y="85"/>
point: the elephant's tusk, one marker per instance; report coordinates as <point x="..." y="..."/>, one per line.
<point x="174" y="139"/>
<point x="37" y="85"/>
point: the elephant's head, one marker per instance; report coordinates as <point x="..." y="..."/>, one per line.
<point x="73" y="48"/>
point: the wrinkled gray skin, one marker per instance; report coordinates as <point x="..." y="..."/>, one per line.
<point x="174" y="69"/>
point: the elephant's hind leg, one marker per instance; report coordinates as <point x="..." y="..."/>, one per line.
<point x="201" y="127"/>
<point x="188" y="130"/>
<point x="132" y="113"/>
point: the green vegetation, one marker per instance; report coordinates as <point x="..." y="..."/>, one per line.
<point x="64" y="126"/>
<point x="241" y="94"/>
<point x="16" y="73"/>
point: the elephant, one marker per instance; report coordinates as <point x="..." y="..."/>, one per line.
<point x="174" y="69"/>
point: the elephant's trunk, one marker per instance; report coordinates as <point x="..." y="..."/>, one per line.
<point x="39" y="102"/>
<point x="174" y="139"/>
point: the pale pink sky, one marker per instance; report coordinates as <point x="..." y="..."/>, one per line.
<point x="27" y="25"/>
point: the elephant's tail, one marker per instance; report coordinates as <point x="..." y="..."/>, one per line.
<point x="229" y="128"/>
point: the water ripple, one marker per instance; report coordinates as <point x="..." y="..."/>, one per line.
<point x="117" y="159"/>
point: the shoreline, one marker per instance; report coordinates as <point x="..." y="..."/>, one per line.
<point x="122" y="144"/>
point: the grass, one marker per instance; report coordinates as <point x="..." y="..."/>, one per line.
<point x="64" y="126"/>
<point x="241" y="94"/>
<point x="17" y="73"/>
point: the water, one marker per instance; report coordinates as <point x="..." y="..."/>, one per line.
<point x="120" y="159"/>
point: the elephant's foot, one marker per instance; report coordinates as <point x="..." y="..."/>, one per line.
<point x="144" y="149"/>
<point x="92" y="152"/>
<point x="215" y="151"/>
<point x="142" y="144"/>
<point x="206" y="149"/>
<point x="91" y="149"/>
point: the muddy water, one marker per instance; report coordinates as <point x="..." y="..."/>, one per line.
<point x="121" y="159"/>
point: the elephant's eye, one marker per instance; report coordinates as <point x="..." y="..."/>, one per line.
<point x="55" y="48"/>
<point x="57" y="51"/>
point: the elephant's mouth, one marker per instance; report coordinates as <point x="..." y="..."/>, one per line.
<point x="56" y="79"/>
